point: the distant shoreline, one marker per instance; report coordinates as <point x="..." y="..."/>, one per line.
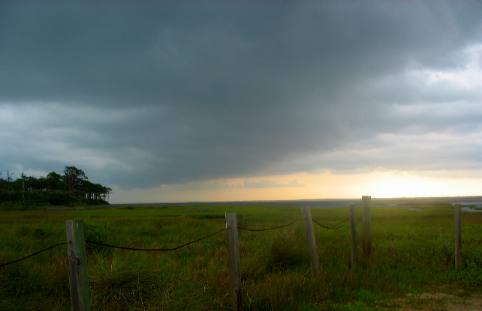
<point x="311" y="202"/>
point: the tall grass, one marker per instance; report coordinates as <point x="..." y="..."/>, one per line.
<point x="413" y="252"/>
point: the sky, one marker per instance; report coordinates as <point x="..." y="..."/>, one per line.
<point x="253" y="100"/>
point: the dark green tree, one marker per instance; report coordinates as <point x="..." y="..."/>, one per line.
<point x="73" y="178"/>
<point x="55" y="182"/>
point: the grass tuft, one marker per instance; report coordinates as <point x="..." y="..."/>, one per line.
<point x="285" y="253"/>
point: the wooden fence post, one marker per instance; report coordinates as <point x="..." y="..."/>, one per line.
<point x="79" y="282"/>
<point x="310" y="237"/>
<point x="234" y="260"/>
<point x="367" y="239"/>
<point x="353" y="236"/>
<point x="458" y="237"/>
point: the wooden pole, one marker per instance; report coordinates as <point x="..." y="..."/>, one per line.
<point x="458" y="238"/>
<point x="23" y="188"/>
<point x="79" y="282"/>
<point x="234" y="260"/>
<point x="367" y="242"/>
<point x="310" y="238"/>
<point x="353" y="236"/>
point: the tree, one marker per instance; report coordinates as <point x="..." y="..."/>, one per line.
<point x="54" y="181"/>
<point x="73" y="178"/>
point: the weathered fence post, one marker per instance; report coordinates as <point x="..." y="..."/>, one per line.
<point x="310" y="237"/>
<point x="458" y="237"/>
<point x="79" y="282"/>
<point x="353" y="236"/>
<point x="234" y="260"/>
<point x="367" y="239"/>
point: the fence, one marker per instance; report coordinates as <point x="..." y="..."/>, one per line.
<point x="77" y="258"/>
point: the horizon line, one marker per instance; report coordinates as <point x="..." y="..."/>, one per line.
<point x="299" y="200"/>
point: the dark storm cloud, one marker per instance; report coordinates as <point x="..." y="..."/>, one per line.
<point x="143" y="94"/>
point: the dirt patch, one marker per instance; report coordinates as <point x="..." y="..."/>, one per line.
<point x="439" y="302"/>
<point x="415" y="209"/>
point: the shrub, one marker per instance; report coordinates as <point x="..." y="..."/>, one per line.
<point x="285" y="253"/>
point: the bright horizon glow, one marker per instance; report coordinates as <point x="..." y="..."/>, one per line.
<point x="326" y="185"/>
<point x="405" y="185"/>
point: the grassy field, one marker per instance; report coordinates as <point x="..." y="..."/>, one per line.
<point x="413" y="253"/>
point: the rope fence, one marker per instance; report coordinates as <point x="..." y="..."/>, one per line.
<point x="161" y="249"/>
<point x="328" y="227"/>
<point x="165" y="249"/>
<point x="268" y="228"/>
<point x="32" y="255"/>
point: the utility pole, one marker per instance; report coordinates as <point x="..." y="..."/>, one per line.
<point x="23" y="188"/>
<point x="9" y="180"/>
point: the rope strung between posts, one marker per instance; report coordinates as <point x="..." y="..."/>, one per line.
<point x="334" y="227"/>
<point x="165" y="249"/>
<point x="267" y="229"/>
<point x="31" y="255"/>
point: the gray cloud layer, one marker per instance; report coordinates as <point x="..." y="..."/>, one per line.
<point x="147" y="94"/>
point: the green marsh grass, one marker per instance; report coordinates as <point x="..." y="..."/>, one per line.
<point x="413" y="253"/>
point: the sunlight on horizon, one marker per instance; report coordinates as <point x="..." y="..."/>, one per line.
<point x="401" y="185"/>
<point x="326" y="185"/>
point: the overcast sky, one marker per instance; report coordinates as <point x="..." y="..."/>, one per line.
<point x="145" y="96"/>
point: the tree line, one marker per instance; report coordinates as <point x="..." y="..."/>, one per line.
<point x="71" y="188"/>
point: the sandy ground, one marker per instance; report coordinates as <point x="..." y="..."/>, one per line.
<point x="439" y="302"/>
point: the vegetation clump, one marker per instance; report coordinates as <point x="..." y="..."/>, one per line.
<point x="285" y="253"/>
